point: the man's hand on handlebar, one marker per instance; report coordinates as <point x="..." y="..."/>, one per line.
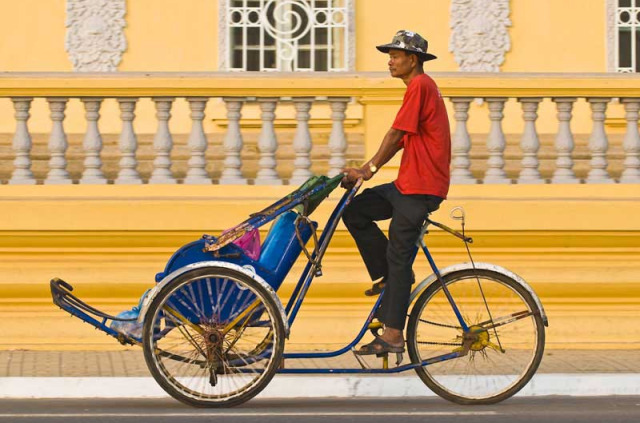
<point x="351" y="176"/>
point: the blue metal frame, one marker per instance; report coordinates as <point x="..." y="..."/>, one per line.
<point x="304" y="283"/>
<point x="61" y="291"/>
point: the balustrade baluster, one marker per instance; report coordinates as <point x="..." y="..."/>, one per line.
<point x="22" y="174"/>
<point x="162" y="143"/>
<point x="197" y="165"/>
<point x="461" y="143"/>
<point x="57" y="143"/>
<point x="496" y="143"/>
<point x="231" y="173"/>
<point x="598" y="143"/>
<point x="267" y="144"/>
<point x="302" y="141"/>
<point x="631" y="143"/>
<point x="337" y="139"/>
<point x="564" y="143"/>
<point x="92" y="144"/>
<point x="530" y="143"/>
<point x="128" y="144"/>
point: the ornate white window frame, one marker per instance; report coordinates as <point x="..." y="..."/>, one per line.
<point x="224" y="37"/>
<point x="613" y="23"/>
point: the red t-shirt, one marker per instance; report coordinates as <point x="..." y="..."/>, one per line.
<point x="424" y="168"/>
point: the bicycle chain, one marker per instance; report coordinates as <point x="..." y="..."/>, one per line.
<point x="439" y="343"/>
<point x="439" y="324"/>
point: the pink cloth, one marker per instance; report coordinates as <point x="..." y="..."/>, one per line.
<point x="250" y="243"/>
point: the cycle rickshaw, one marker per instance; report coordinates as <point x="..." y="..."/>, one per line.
<point x="213" y="328"/>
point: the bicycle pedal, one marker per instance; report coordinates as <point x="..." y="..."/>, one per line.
<point x="375" y="325"/>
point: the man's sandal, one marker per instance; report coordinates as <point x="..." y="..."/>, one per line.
<point x="378" y="347"/>
<point x="375" y="289"/>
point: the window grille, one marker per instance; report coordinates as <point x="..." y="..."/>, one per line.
<point x="627" y="18"/>
<point x="287" y="35"/>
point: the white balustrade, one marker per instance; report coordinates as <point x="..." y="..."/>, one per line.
<point x="302" y="141"/>
<point x="162" y="143"/>
<point x="22" y="174"/>
<point x="197" y="164"/>
<point x="631" y="143"/>
<point x="461" y="143"/>
<point x="496" y="143"/>
<point x="58" y="173"/>
<point x="267" y="144"/>
<point x="231" y="172"/>
<point x="92" y="144"/>
<point x="531" y="171"/>
<point x="128" y="144"/>
<point x="337" y="139"/>
<point x="564" y="143"/>
<point x="530" y="144"/>
<point x="598" y="143"/>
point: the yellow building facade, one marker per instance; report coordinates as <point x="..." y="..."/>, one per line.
<point x="578" y="244"/>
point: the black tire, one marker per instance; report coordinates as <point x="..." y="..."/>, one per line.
<point x="172" y="369"/>
<point x="433" y="326"/>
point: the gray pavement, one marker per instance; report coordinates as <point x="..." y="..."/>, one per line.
<point x="130" y="363"/>
<point x="406" y="410"/>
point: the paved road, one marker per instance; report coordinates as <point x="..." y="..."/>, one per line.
<point x="516" y="410"/>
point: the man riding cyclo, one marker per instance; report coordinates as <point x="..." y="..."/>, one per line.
<point x="421" y="131"/>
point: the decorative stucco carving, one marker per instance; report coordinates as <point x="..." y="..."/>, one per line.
<point x="95" y="34"/>
<point x="479" y="37"/>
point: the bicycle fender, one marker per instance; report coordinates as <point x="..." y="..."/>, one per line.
<point x="247" y="270"/>
<point x="426" y="283"/>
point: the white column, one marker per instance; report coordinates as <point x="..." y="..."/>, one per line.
<point x="530" y="144"/>
<point x="22" y="174"/>
<point x="92" y="144"/>
<point x="564" y="143"/>
<point x="231" y="173"/>
<point x="302" y="141"/>
<point x="598" y="143"/>
<point x="162" y="143"/>
<point x="57" y="144"/>
<point x="496" y="143"/>
<point x="337" y="139"/>
<point x="631" y="143"/>
<point x="128" y="144"/>
<point x="461" y="143"/>
<point x="267" y="144"/>
<point x="197" y="172"/>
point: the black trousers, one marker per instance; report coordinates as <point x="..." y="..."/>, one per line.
<point x="393" y="257"/>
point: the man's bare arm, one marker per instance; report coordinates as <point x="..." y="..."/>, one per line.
<point x="388" y="148"/>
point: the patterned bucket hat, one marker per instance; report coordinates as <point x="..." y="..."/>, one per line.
<point x="408" y="41"/>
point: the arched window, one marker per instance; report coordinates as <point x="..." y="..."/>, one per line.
<point x="286" y="35"/>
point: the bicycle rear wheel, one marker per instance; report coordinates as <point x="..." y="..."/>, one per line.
<point x="507" y="343"/>
<point x="213" y="337"/>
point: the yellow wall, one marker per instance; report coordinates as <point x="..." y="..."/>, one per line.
<point x="557" y="36"/>
<point x="171" y="35"/>
<point x="32" y="36"/>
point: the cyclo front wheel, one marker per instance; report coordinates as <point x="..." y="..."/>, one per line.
<point x="506" y="343"/>
<point x="213" y="337"/>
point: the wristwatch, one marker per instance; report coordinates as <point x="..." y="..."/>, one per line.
<point x="373" y="168"/>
